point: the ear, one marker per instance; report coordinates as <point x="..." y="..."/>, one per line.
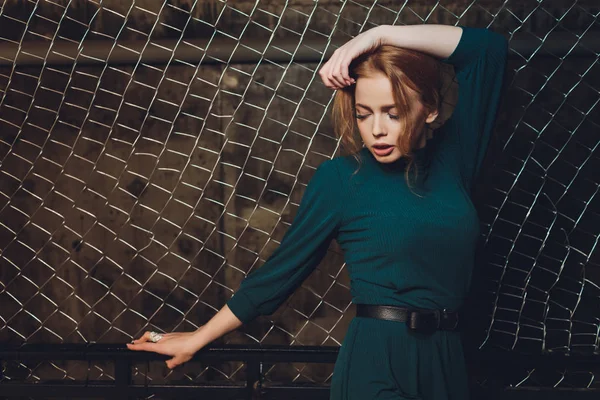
<point x="431" y="117"/>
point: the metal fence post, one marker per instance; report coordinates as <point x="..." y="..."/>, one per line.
<point x="123" y="378"/>
<point x="254" y="379"/>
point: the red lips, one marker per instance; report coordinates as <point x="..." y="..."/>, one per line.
<point x="382" y="145"/>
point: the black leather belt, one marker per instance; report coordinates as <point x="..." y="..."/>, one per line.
<point x="420" y="320"/>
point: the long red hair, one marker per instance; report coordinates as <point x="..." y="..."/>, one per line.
<point x="407" y="70"/>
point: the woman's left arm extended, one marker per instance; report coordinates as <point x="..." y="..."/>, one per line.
<point x="436" y="40"/>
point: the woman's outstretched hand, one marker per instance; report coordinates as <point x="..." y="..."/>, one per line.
<point x="180" y="345"/>
<point x="335" y="71"/>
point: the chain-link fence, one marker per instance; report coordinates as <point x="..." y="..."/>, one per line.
<point x="155" y="152"/>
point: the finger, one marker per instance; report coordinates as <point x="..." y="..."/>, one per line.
<point x="147" y="346"/>
<point x="144" y="338"/>
<point x="175" y="361"/>
<point x="335" y="78"/>
<point x="335" y="83"/>
<point x="328" y="83"/>
<point x="172" y="363"/>
<point x="324" y="73"/>
<point x="340" y="70"/>
<point x="344" y="71"/>
<point x="336" y="70"/>
<point x="332" y="68"/>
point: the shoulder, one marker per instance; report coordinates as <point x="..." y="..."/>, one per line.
<point x="327" y="173"/>
<point x="346" y="165"/>
<point x="334" y="174"/>
<point x="340" y="175"/>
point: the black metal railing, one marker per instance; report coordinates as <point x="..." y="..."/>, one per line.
<point x="494" y="365"/>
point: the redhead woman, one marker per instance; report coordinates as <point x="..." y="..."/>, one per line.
<point x="399" y="205"/>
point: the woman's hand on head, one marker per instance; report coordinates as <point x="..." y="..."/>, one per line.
<point x="335" y="71"/>
<point x="180" y="345"/>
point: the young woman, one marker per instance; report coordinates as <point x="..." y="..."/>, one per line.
<point x="399" y="207"/>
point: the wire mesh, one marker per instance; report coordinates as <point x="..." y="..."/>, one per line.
<point x="139" y="187"/>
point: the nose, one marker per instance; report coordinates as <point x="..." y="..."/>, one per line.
<point x="378" y="128"/>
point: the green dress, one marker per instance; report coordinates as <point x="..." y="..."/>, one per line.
<point x="400" y="249"/>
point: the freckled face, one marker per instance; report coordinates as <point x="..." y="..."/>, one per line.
<point x="377" y="117"/>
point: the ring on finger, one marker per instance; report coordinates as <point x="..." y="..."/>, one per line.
<point x="155" y="336"/>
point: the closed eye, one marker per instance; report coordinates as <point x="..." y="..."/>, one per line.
<point x="363" y="116"/>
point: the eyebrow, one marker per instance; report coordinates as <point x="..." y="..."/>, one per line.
<point x="386" y="107"/>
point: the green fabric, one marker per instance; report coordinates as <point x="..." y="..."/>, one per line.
<point x="400" y="249"/>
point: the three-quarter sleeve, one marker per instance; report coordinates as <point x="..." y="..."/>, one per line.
<point x="479" y="62"/>
<point x="303" y="246"/>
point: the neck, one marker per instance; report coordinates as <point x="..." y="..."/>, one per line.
<point x="399" y="164"/>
